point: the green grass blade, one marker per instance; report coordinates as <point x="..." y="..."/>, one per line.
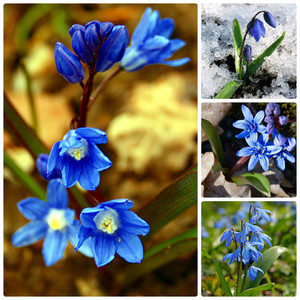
<point x="265" y="264"/>
<point x="214" y="140"/>
<point x="255" y="291"/>
<point x="24" y="178"/>
<point x="228" y="90"/>
<point x="224" y="284"/>
<point x="176" y="198"/>
<point x="237" y="42"/>
<point x="258" y="181"/>
<point x="260" y="59"/>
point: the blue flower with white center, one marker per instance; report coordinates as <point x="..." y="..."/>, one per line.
<point x="113" y="229"/>
<point x="286" y="145"/>
<point x="247" y="230"/>
<point x="252" y="272"/>
<point x="151" y="43"/>
<point x="232" y="257"/>
<point x="251" y="126"/>
<point x="259" y="214"/>
<point x="78" y="157"/>
<point x="52" y="220"/>
<point x="257" y="29"/>
<point x="228" y="236"/>
<point x="259" y="150"/>
<point x="258" y="239"/>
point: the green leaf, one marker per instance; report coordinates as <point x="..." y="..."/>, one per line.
<point x="178" y="248"/>
<point x="176" y="198"/>
<point x="260" y="59"/>
<point x="224" y="284"/>
<point x="24" y="178"/>
<point x="16" y="125"/>
<point x="214" y="140"/>
<point x="228" y="90"/>
<point x="237" y="42"/>
<point x="256" y="290"/>
<point x="258" y="181"/>
<point x="265" y="264"/>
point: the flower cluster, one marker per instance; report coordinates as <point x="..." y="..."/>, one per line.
<point x="110" y="227"/>
<point x="249" y="242"/>
<point x="270" y="143"/>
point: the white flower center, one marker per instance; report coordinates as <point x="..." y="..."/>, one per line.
<point x="107" y="220"/>
<point x="56" y="219"/>
<point x="80" y="152"/>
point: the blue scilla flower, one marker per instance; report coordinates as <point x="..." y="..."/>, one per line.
<point x="251" y="126"/>
<point x="269" y="18"/>
<point x="258" y="239"/>
<point x="113" y="49"/>
<point x="257" y="29"/>
<point x="68" y="64"/>
<point x="260" y="213"/>
<point x="41" y="164"/>
<point x="228" y="236"/>
<point x="286" y="145"/>
<point x="151" y="43"/>
<point x="78" y="157"/>
<point x="52" y="220"/>
<point x="252" y="272"/>
<point x="248" y="230"/>
<point x="232" y="257"/>
<point x="249" y="252"/>
<point x="259" y="150"/>
<point x="113" y="229"/>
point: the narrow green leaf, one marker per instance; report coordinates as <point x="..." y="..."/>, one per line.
<point x="256" y="290"/>
<point x="265" y="264"/>
<point x="228" y="90"/>
<point x="132" y="272"/>
<point x="24" y="178"/>
<point x="176" y="198"/>
<point x="224" y="284"/>
<point x="214" y="140"/>
<point x="258" y="181"/>
<point x="192" y="233"/>
<point x="260" y="59"/>
<point x="15" y="124"/>
<point x="237" y="42"/>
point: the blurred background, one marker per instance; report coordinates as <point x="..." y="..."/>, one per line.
<point x="219" y="216"/>
<point x="150" y="117"/>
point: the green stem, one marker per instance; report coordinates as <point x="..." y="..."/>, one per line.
<point x="245" y="277"/>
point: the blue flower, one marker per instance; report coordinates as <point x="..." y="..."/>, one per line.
<point x="228" y="236"/>
<point x="272" y="108"/>
<point x="260" y="213"/>
<point x="269" y="18"/>
<point x="52" y="220"/>
<point x="112" y="50"/>
<point x="286" y="145"/>
<point x="250" y="125"/>
<point x="259" y="150"/>
<point x="248" y="230"/>
<point x="78" y="157"/>
<point x="252" y="272"/>
<point x="113" y="229"/>
<point x="247" y="52"/>
<point x="151" y="43"/>
<point x="68" y="64"/>
<point x="41" y="164"/>
<point x="232" y="256"/>
<point x="258" y="239"/>
<point x="249" y="252"/>
<point x="257" y="29"/>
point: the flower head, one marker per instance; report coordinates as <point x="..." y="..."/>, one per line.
<point x="228" y="236"/>
<point x="252" y="272"/>
<point x="269" y="18"/>
<point x="247" y="52"/>
<point x="251" y="126"/>
<point x="113" y="229"/>
<point x="52" y="220"/>
<point x="78" y="157"/>
<point x="68" y="64"/>
<point x="258" y="239"/>
<point x="232" y="257"/>
<point x="151" y="43"/>
<point x="260" y="213"/>
<point x="250" y="253"/>
<point x="259" y="150"/>
<point x="257" y="29"/>
<point x="248" y="230"/>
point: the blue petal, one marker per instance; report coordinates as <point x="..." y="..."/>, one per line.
<point x="259" y="117"/>
<point x="240" y="124"/>
<point x="261" y="128"/>
<point x="247" y="113"/>
<point x="57" y="195"/>
<point x="29" y="234"/>
<point x="53" y="157"/>
<point x="130" y="247"/>
<point x="177" y="62"/>
<point x="104" y="248"/>
<point x="33" y="208"/>
<point x="54" y="246"/>
<point x="90" y="177"/>
<point x="273" y="150"/>
<point x="132" y="223"/>
<point x="88" y="214"/>
<point x="288" y="156"/>
<point x="253" y="135"/>
<point x="155" y="43"/>
<point x="264" y="162"/>
<point x="94" y="135"/>
<point x="243" y="134"/>
<point x="119" y="204"/>
<point x="70" y="170"/>
<point x="252" y="162"/>
<point x="165" y="27"/>
<point x="100" y="161"/>
<point x="246" y="151"/>
<point x="83" y="234"/>
<point x="262" y="28"/>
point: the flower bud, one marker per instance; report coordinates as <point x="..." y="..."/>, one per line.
<point x="248" y="52"/>
<point x="277" y="109"/>
<point x="269" y="18"/>
<point x="79" y="45"/>
<point x="68" y="64"/>
<point x="113" y="48"/>
<point x="270" y="128"/>
<point x="41" y="164"/>
<point x="283" y="120"/>
<point x="269" y="119"/>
